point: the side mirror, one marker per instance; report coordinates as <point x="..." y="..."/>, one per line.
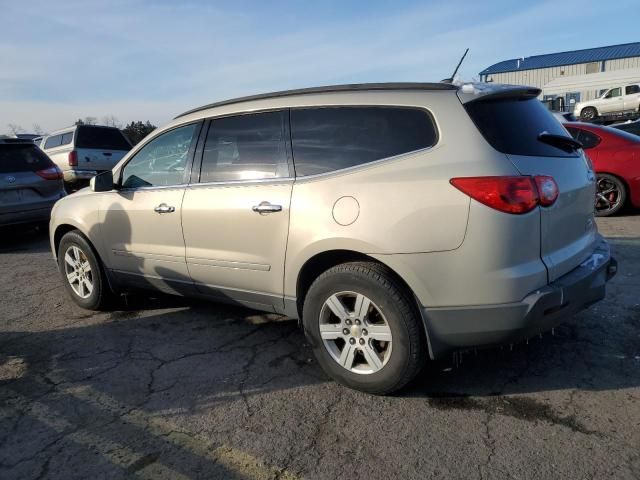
<point x="103" y="182"/>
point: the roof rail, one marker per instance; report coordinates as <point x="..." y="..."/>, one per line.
<point x="327" y="89"/>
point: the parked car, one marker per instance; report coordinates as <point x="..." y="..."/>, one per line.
<point x="83" y="151"/>
<point x="397" y="221"/>
<point x="615" y="155"/>
<point x="631" y="127"/>
<point x="615" y="100"/>
<point x="30" y="183"/>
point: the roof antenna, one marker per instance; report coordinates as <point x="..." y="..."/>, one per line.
<point x="450" y="80"/>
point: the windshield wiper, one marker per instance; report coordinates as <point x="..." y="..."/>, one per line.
<point x="563" y="142"/>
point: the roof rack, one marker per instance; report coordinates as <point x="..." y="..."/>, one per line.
<point x="327" y="89"/>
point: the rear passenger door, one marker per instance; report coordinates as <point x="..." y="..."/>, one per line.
<point x="235" y="214"/>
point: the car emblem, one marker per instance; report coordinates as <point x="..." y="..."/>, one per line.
<point x="10" y="179"/>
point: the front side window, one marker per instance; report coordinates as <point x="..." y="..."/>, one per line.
<point x="631" y="89"/>
<point x="245" y="147"/>
<point x="331" y="138"/>
<point x="162" y="161"/>
<point x="614" y="92"/>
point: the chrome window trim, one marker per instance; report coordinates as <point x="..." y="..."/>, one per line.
<point x="243" y="182"/>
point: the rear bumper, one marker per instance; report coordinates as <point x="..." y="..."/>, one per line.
<point x="452" y="328"/>
<point x="26" y="216"/>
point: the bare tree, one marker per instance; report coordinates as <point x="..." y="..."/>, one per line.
<point x="37" y="129"/>
<point x="15" y="129"/>
<point x="90" y="120"/>
<point x="111" y="121"/>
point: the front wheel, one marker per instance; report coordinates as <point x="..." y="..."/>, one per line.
<point x="588" y="113"/>
<point x="610" y="195"/>
<point x="82" y="273"/>
<point x="364" y="329"/>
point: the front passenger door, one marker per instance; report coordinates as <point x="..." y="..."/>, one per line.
<point x="141" y="222"/>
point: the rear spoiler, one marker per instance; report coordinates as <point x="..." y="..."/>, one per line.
<point x="474" y="92"/>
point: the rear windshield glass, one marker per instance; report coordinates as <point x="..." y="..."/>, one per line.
<point x="512" y="126"/>
<point x="101" y="138"/>
<point x="22" y="158"/>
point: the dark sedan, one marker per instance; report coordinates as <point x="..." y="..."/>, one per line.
<point x="30" y="183"/>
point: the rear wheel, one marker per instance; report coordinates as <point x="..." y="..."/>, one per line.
<point x="610" y="195"/>
<point x="588" y="114"/>
<point x="82" y="273"/>
<point x="364" y="329"/>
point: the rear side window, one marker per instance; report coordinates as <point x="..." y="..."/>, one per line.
<point x="246" y="147"/>
<point x="512" y="126"/>
<point x="22" y="158"/>
<point x="66" y="138"/>
<point x="331" y="138"/>
<point x="101" y="138"/>
<point x="53" y="142"/>
<point x="631" y="89"/>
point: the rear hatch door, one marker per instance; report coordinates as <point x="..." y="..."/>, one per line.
<point x="21" y="188"/>
<point x="517" y="124"/>
<point x="99" y="148"/>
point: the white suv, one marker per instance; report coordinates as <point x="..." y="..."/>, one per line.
<point x="614" y="100"/>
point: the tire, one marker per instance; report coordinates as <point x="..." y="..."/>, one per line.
<point x="588" y="114"/>
<point x="100" y="296"/>
<point x="391" y="314"/>
<point x="611" y="195"/>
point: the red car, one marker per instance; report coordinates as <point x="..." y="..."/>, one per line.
<point x="615" y="155"/>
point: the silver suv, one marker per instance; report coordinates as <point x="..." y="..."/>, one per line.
<point x="398" y="222"/>
<point x="83" y="151"/>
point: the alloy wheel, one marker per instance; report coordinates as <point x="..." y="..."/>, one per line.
<point x="355" y="332"/>
<point x="78" y="271"/>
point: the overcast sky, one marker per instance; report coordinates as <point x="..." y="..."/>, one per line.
<point x="138" y="60"/>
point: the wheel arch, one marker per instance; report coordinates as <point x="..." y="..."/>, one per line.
<point x="323" y="261"/>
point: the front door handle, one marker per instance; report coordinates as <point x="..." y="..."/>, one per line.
<point x="266" y="207"/>
<point x="164" y="208"/>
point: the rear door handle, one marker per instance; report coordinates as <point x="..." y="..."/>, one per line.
<point x="266" y="207"/>
<point x="164" y="208"/>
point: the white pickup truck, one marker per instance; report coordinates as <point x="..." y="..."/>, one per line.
<point x="615" y="100"/>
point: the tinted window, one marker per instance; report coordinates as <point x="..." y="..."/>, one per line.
<point x="631" y="89"/>
<point x="53" y="141"/>
<point x="588" y="139"/>
<point x="101" y="138"/>
<point x="327" y="139"/>
<point x="245" y="147"/>
<point x="162" y="161"/>
<point x="22" y="158"/>
<point x="66" y="138"/>
<point x="512" y="126"/>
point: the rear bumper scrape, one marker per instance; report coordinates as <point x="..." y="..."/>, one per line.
<point x="453" y="328"/>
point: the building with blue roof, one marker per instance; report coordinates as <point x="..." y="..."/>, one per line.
<point x="539" y="70"/>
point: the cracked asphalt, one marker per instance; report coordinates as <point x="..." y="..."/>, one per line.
<point x="173" y="388"/>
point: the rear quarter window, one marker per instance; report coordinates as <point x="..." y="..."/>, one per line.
<point x="101" y="138"/>
<point x="512" y="126"/>
<point x="325" y="139"/>
<point x="22" y="158"/>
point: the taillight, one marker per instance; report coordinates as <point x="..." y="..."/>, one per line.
<point x="547" y="190"/>
<point x="51" y="173"/>
<point x="73" y="158"/>
<point x="515" y="195"/>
